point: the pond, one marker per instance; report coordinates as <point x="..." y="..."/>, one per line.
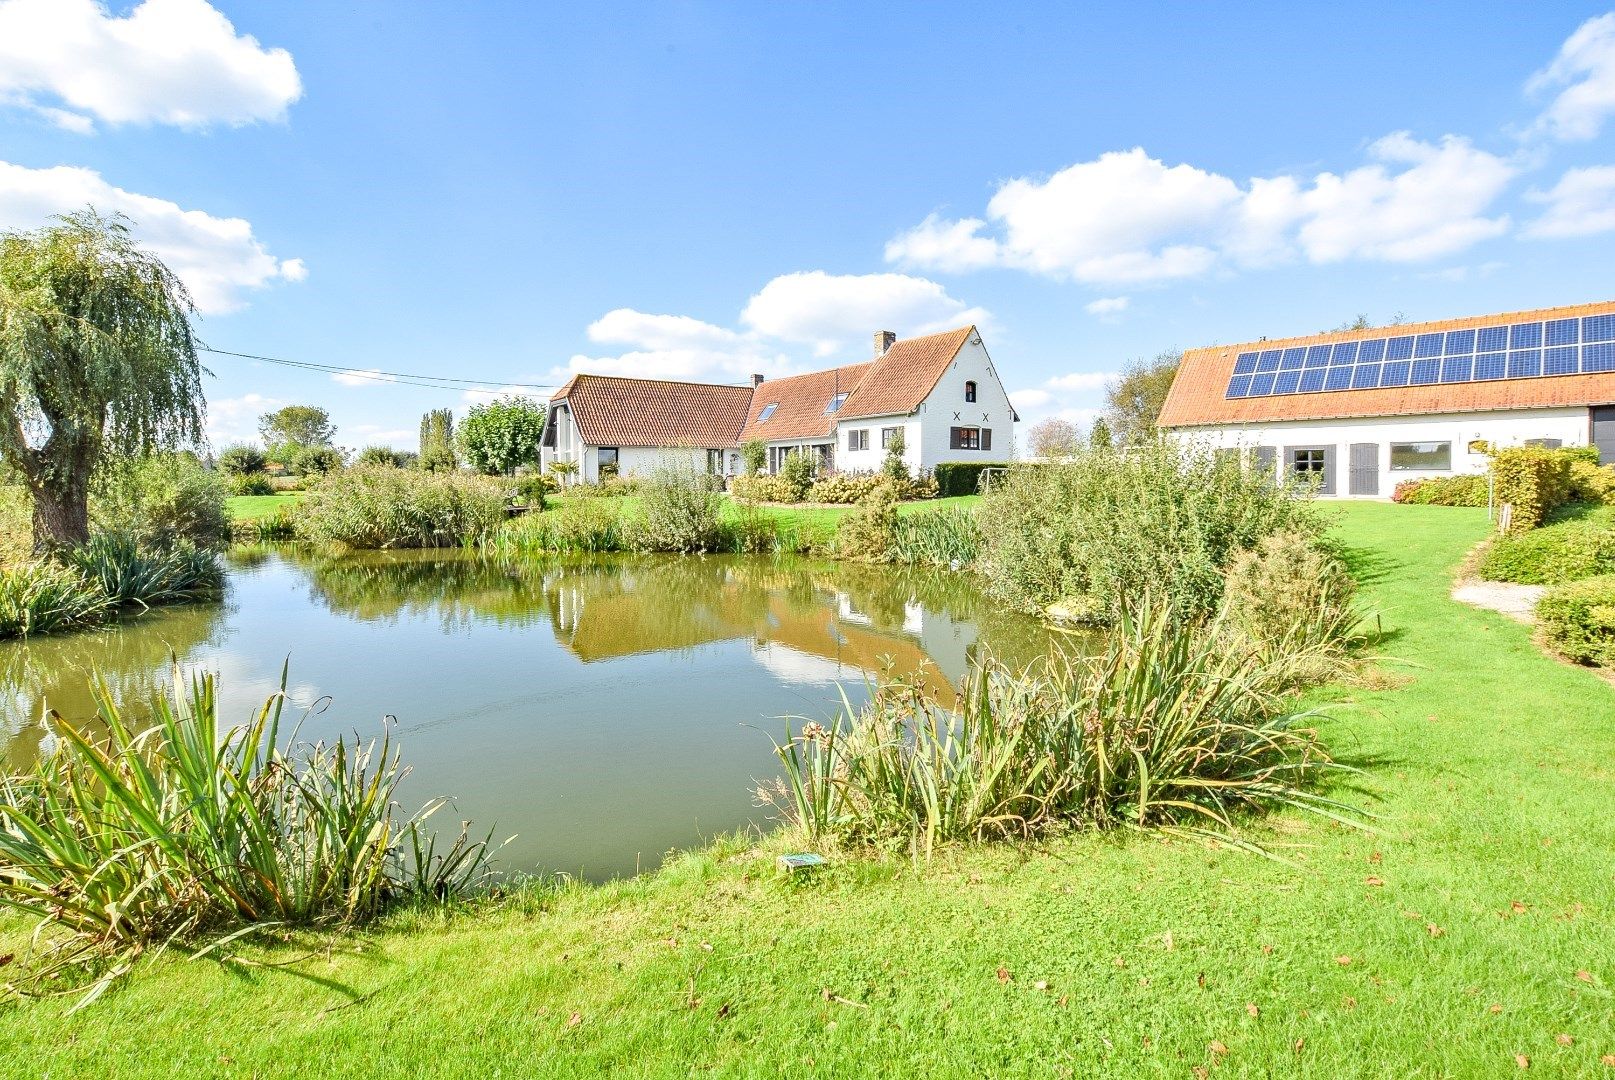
<point x="601" y="709"/>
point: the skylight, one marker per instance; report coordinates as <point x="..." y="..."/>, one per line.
<point x="835" y="403"/>
<point x="768" y="410"/>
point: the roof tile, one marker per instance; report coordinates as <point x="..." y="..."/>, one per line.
<point x="614" y="411"/>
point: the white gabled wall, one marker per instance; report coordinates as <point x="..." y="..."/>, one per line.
<point x="1511" y="428"/>
<point x="871" y="459"/>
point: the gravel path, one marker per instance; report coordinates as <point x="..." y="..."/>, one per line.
<point x="1515" y="601"/>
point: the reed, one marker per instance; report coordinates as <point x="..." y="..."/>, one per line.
<point x="128" y="572"/>
<point x="947" y="537"/>
<point x="43" y="597"/>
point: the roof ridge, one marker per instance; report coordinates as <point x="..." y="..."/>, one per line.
<point x="660" y="382"/>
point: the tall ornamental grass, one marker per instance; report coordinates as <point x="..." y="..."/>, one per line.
<point x="1164" y="728"/>
<point x="130" y="573"/>
<point x="948" y="537"/>
<point x="379" y="507"/>
<point x="1086" y="535"/>
<point x="678" y="511"/>
<point x="45" y="597"/>
<point x="187" y="832"/>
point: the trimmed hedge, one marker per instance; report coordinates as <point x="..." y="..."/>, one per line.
<point x="962" y="477"/>
<point x="1442" y="491"/>
<point x="1534" y="480"/>
<point x="1578" y="620"/>
<point x="1569" y="550"/>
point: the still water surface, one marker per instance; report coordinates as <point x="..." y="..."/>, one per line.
<point x="603" y="709"/>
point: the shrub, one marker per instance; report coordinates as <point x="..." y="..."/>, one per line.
<point x="242" y="460"/>
<point x="798" y="471"/>
<point x="162" y="498"/>
<point x="1533" y="480"/>
<point x="16" y="525"/>
<point x="1443" y="491"/>
<point x="1164" y="727"/>
<point x="42" y="597"/>
<point x="578" y="525"/>
<point x="251" y="484"/>
<point x="316" y="460"/>
<point x="272" y="527"/>
<point x="128" y="572"/>
<point x="1565" y="550"/>
<point x="1578" y="620"/>
<point x="763" y="488"/>
<point x="678" y="511"/>
<point x="1591" y="482"/>
<point x="947" y="537"/>
<point x="954" y="478"/>
<point x="846" y="487"/>
<point x="380" y="455"/>
<point x="754" y="456"/>
<point x="369" y="507"/>
<point x="532" y="489"/>
<point x="751" y="530"/>
<point x="869" y="531"/>
<point x="1290" y="597"/>
<point x="129" y="836"/>
<point x="611" y="486"/>
<point x="1165" y="518"/>
<point x="893" y="464"/>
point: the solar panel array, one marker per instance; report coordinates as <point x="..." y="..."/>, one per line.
<point x="1518" y="351"/>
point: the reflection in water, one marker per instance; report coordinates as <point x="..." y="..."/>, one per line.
<point x="592" y="705"/>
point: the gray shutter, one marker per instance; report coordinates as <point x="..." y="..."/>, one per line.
<point x="953" y="438"/>
<point x="986" y="438"/>
<point x="1330" y="453"/>
<point x="1265" y="459"/>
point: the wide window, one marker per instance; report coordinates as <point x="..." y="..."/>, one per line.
<point x="888" y="435"/>
<point x="970" y="391"/>
<point x="1429" y="456"/>
<point x="970" y="438"/>
<point x="858" y="440"/>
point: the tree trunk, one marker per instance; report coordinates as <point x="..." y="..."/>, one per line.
<point x="62" y="511"/>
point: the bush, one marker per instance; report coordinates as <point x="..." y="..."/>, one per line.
<point x="798" y="471"/>
<point x="1084" y="535"/>
<point x="763" y="488"/>
<point x="242" y="460"/>
<point x="251" y="484"/>
<point x="611" y="486"/>
<point x="678" y="511"/>
<point x="370" y="507"/>
<point x="43" y="597"/>
<point x="1533" y="480"/>
<point x="128" y="572"/>
<point x="754" y="456"/>
<point x="868" y="532"/>
<point x="1591" y="482"/>
<point x="380" y="455"/>
<point x="316" y="460"/>
<point x="1165" y="727"/>
<point x="1578" y="620"/>
<point x="284" y="484"/>
<point x="578" y="525"/>
<point x="1290" y="598"/>
<point x="162" y="498"/>
<point x="135" y="833"/>
<point x="954" y="478"/>
<point x="533" y="489"/>
<point x="16" y="525"/>
<point x="1565" y="550"/>
<point x="893" y="464"/>
<point x="751" y="530"/>
<point x="847" y="487"/>
<point x="947" y="537"/>
<point x="1443" y="491"/>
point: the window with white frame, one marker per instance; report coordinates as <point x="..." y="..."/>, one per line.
<point x="858" y="439"/>
<point x="836" y="403"/>
<point x="1421" y="456"/>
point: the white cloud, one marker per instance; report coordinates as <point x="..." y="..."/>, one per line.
<point x="1126" y="217"/>
<point x="376" y="435"/>
<point x="1081" y="380"/>
<point x="364" y="377"/>
<point x="218" y="258"/>
<point x="830" y="311"/>
<point x="1108" y="305"/>
<point x="1076" y="396"/>
<point x="235" y="420"/>
<point x="1026" y="401"/>
<point x="483" y="394"/>
<point x="627" y="326"/>
<point x="1585" y="70"/>
<point x="166" y="62"/>
<point x="1582" y="203"/>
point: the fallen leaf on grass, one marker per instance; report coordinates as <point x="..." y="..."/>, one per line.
<point x="1607" y="1059"/>
<point x="1585" y="976"/>
<point x="1343" y="960"/>
<point x="7" y="958"/>
<point x="1166" y="940"/>
<point x="1522" y="1061"/>
<point x="1517" y="907"/>
<point x="1374" y="858"/>
<point x="706" y="946"/>
<point x="1041" y="984"/>
<point x="1494" y="1009"/>
<point x="1250" y="1007"/>
<point x="1200" y="1072"/>
<point x="1217" y="1049"/>
<point x="1267" y="950"/>
<point x="1564" y="1038"/>
<point x="723" y="1010"/>
<point x="1065" y="999"/>
<point x="1300" y="1045"/>
<point x="574" y="1020"/>
<point x="1003" y="975"/>
<point x="1200" y="980"/>
<point x="1119" y="962"/>
<point x="1373" y="882"/>
<point x="1433" y="930"/>
<point x="1349" y="1002"/>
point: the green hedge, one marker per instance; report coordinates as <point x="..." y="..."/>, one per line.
<point x="962" y="477"/>
<point x="1534" y="480"/>
<point x="1569" y="550"/>
<point x="1578" y="620"/>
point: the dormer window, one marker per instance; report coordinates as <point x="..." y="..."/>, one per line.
<point x="970" y="391"/>
<point x="836" y="402"/>
<point x="768" y="410"/>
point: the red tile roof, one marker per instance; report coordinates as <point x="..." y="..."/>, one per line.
<point x="1197" y="397"/>
<point x="614" y="411"/>
<point x="908" y="372"/>
<point x="800" y="402"/>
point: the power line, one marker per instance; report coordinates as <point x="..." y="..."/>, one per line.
<point x="397" y="378"/>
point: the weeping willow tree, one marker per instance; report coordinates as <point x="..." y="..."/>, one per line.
<point x="97" y="356"/>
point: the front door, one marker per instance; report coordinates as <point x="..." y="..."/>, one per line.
<point x="1364" y="468"/>
<point x="1604" y="432"/>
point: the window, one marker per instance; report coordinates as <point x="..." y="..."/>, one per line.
<point x="858" y="440"/>
<point x="1435" y="456"/>
<point x="1545" y="444"/>
<point x="605" y="460"/>
<point x="970" y="391"/>
<point x="970" y="438"/>
<point x="768" y="410"/>
<point x="887" y="435"/>
<point x="1308" y="463"/>
<point x="835" y="403"/>
<point x="715" y="462"/>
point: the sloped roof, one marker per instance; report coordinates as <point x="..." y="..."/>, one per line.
<point x="1199" y="394"/>
<point x="614" y="411"/>
<point x="800" y="401"/>
<point x="906" y="374"/>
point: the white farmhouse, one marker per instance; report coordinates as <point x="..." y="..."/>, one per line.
<point x="1363" y="410"/>
<point x="941" y="391"/>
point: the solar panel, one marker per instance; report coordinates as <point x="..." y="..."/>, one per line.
<point x="1521" y="350"/>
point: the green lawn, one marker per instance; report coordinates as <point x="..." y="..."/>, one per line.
<point x="1474" y="927"/>
<point x="253" y="507"/>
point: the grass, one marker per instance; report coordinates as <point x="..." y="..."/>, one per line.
<point x="1467" y="923"/>
<point x="253" y="507"/>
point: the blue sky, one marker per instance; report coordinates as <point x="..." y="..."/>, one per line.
<point x="511" y="192"/>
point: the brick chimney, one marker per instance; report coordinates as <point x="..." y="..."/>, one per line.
<point x="884" y="339"/>
<point x="756" y="381"/>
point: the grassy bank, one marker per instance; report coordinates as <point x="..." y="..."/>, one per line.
<point x="1471" y="929"/>
<point x="253" y="507"/>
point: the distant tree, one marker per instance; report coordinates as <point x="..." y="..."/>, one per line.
<point x="97" y="357"/>
<point x="1134" y="398"/>
<point x="242" y="460"/>
<point x="316" y="460"/>
<point x="437" y="442"/>
<point x="754" y="456"/>
<point x="1099" y="436"/>
<point x="297" y="426"/>
<point x="501" y="436"/>
<point x="1361" y="323"/>
<point x="381" y="455"/>
<point x="1052" y="438"/>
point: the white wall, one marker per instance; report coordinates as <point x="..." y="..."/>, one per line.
<point x="991" y="409"/>
<point x="871" y="459"/>
<point x="1569" y="425"/>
